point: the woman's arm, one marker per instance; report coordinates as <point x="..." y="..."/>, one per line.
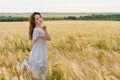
<point x="47" y="36"/>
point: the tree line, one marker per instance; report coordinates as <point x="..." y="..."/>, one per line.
<point x="114" y="17"/>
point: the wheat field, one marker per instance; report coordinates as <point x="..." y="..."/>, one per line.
<point x="79" y="50"/>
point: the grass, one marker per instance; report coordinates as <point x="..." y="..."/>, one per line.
<point x="79" y="50"/>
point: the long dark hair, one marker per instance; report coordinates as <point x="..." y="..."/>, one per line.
<point x="32" y="24"/>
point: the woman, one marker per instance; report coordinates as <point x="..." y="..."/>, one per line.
<point x="39" y="35"/>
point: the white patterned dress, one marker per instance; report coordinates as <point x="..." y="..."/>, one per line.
<point x="38" y="55"/>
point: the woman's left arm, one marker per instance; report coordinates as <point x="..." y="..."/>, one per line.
<point x="47" y="36"/>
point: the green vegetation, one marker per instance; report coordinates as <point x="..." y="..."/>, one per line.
<point x="114" y="17"/>
<point x="10" y="19"/>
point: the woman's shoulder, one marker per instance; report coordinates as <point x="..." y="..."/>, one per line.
<point x="37" y="29"/>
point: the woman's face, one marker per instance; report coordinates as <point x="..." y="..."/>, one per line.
<point x="38" y="19"/>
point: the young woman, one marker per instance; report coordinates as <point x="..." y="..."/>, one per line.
<point x="39" y="35"/>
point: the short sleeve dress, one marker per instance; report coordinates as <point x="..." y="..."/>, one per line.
<point x="38" y="54"/>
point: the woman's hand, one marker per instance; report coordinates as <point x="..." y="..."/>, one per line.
<point x="44" y="27"/>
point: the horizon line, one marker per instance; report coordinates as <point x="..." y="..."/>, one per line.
<point x="54" y="12"/>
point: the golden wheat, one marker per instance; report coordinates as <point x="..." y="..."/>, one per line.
<point x="79" y="50"/>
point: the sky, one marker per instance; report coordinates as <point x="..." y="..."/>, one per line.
<point x="59" y="6"/>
